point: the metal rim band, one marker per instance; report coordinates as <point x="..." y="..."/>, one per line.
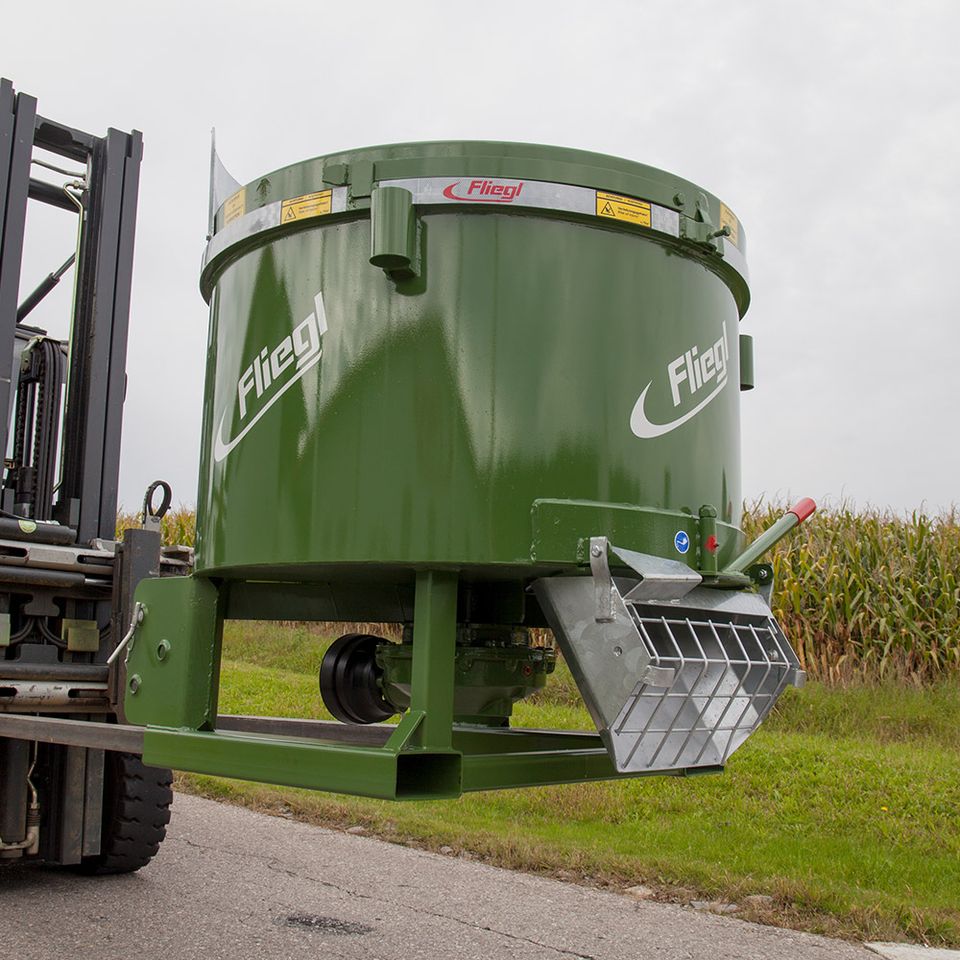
<point x="474" y="191"/>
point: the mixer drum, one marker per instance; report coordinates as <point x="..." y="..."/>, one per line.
<point x="471" y="355"/>
<point x="473" y="389"/>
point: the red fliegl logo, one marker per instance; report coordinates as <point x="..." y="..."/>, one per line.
<point x="484" y="191"/>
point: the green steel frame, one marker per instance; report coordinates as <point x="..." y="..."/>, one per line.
<point x="173" y="684"/>
<point x="409" y="303"/>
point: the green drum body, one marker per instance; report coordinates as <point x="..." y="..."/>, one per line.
<point x="472" y="389"/>
<point x="467" y="355"/>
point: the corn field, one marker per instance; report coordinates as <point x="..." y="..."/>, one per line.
<point x="863" y="595"/>
<point x="178" y="526"/>
<point x="869" y="594"/>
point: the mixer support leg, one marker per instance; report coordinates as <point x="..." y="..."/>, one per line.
<point x="434" y="650"/>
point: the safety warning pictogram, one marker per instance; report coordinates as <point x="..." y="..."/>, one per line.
<point x="729" y="220"/>
<point x="617" y="207"/>
<point x="309" y="205"/>
<point x="235" y="206"/>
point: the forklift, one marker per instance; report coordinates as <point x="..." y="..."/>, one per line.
<point x="66" y="582"/>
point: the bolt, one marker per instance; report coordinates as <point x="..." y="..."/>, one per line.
<point x="163" y="648"/>
<point x="679" y="199"/>
<point x="595" y="551"/>
<point x="618" y="651"/>
<point x="135" y="683"/>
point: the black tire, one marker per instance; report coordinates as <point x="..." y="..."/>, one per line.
<point x="136" y="811"/>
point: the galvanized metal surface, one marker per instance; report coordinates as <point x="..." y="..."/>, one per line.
<point x="671" y="685"/>
<point x="258" y="221"/>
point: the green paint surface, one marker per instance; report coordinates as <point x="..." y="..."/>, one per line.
<point x="443" y="407"/>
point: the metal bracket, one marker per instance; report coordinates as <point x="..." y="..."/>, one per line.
<point x="602" y="581"/>
<point x="660" y="579"/>
<point x="762" y="575"/>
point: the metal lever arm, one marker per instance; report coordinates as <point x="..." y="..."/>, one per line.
<point x="773" y="535"/>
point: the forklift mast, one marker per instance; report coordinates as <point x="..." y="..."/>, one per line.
<point x="66" y="585"/>
<point x="104" y="196"/>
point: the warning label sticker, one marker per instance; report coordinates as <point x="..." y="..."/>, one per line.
<point x="235" y="206"/>
<point x="309" y="205"/>
<point x="623" y="208"/>
<point x="727" y="219"/>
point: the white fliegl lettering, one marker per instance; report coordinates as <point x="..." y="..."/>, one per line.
<point x="306" y="339"/>
<point x="296" y="352"/>
<point x="281" y="357"/>
<point x="677" y="371"/>
<point x="688" y="375"/>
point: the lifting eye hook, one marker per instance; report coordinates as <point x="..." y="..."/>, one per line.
<point x="153" y="515"/>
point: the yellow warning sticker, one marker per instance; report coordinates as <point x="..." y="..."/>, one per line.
<point x="309" y="205"/>
<point x="727" y="219"/>
<point x="236" y="206"/>
<point x="623" y="208"/>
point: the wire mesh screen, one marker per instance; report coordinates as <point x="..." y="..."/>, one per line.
<point x="671" y="684"/>
<point x="707" y="687"/>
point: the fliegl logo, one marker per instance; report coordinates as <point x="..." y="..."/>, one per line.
<point x="275" y="368"/>
<point x="484" y="191"/>
<point x="697" y="376"/>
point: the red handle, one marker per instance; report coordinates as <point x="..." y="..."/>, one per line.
<point x="803" y="509"/>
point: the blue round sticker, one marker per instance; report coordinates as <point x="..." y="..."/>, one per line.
<point x="682" y="541"/>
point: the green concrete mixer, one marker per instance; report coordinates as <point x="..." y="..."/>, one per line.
<point x="475" y="389"/>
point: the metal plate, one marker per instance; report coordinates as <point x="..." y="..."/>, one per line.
<point x="260" y="220"/>
<point x="532" y="194"/>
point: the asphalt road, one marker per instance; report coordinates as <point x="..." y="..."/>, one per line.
<point x="233" y="884"/>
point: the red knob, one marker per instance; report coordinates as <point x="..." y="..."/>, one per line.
<point x="803" y="509"/>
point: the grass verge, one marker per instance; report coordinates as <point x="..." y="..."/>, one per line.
<point x="844" y="808"/>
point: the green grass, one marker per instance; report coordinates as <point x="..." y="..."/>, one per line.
<point x="844" y="807"/>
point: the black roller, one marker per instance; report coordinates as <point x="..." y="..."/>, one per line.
<point x="348" y="680"/>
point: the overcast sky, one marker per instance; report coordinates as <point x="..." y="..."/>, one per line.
<point x="831" y="128"/>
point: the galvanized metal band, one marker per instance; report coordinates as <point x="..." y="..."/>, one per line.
<point x="531" y="194"/>
<point x="264" y="218"/>
<point x="488" y="192"/>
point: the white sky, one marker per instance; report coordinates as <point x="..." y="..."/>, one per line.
<point x="831" y="128"/>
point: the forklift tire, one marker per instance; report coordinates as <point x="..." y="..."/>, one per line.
<point x="136" y="811"/>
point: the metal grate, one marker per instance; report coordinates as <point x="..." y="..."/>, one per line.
<point x="707" y="686"/>
<point x="671" y="684"/>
